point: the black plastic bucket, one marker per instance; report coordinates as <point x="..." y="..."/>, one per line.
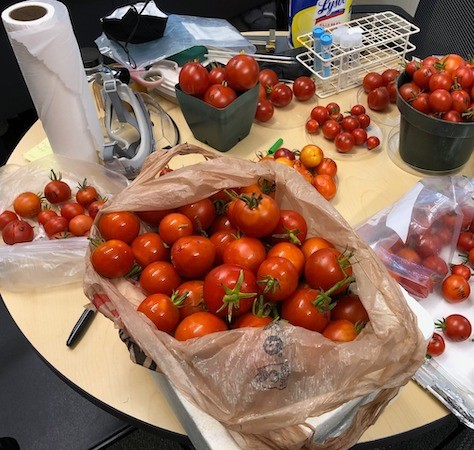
<point x="432" y="144"/>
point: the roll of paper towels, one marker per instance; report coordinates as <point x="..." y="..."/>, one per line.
<point x="44" y="44"/>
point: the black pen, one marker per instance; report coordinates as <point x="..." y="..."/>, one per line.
<point x="80" y="326"/>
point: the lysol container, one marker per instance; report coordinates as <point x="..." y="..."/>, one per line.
<point x="305" y="14"/>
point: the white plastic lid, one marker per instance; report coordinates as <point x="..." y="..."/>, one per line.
<point x="338" y="32"/>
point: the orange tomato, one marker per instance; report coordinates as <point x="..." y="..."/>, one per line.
<point x="311" y="155"/>
<point x="325" y="185"/>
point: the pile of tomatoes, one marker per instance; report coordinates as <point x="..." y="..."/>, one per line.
<point x="441" y="87"/>
<point x="53" y="210"/>
<point x="220" y="85"/>
<point x="381" y="88"/>
<point x="346" y="131"/>
<point x="311" y="163"/>
<point x="274" y="93"/>
<point x="235" y="259"/>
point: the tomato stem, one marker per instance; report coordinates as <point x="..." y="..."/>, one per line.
<point x="325" y="296"/>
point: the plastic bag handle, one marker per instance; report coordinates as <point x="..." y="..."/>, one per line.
<point x="159" y="159"/>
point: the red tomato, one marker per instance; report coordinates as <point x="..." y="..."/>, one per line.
<point x="229" y="290"/>
<point x="329" y="270"/>
<point x="455" y="327"/>
<point x="289" y="251"/>
<point x="265" y="110"/>
<point x="173" y="226"/>
<point x="331" y="129"/>
<point x="349" y="123"/>
<point x="57" y="191"/>
<point x="255" y="216"/>
<point x="422" y="103"/>
<point x="364" y="120"/>
<point x="440" y="80"/>
<point x="220" y="223"/>
<point x="436" y="346"/>
<point x="303" y="88"/>
<point x="422" y="76"/>
<point x="409" y="254"/>
<point x="436" y="264"/>
<point x="193" y="79"/>
<point x="464" y="77"/>
<point x="281" y="95"/>
<point x="325" y="185"/>
<point x="268" y="78"/>
<point x="340" y="331"/>
<point x="461" y="269"/>
<point x="159" y="277"/>
<point x="303" y="309"/>
<point x="349" y="307"/>
<point x="378" y="99"/>
<point x="219" y="95"/>
<point x="465" y="241"/>
<point x="312" y="126"/>
<point x="327" y="167"/>
<point x="86" y="194"/>
<point x="71" y="209"/>
<point x="245" y="251"/>
<point x="408" y="91"/>
<point x="112" y="259"/>
<point x="153" y="217"/>
<point x="242" y="72"/>
<point x="45" y="215"/>
<point x="94" y="208"/>
<point x="217" y="75"/>
<point x="80" y="225"/>
<point x="427" y="245"/>
<point x="452" y="116"/>
<point x="202" y="213"/>
<point x="372" y="81"/>
<point x="372" y="142"/>
<point x="27" y="205"/>
<point x="389" y="76"/>
<point x="333" y="109"/>
<point x="161" y="310"/>
<point x="277" y="278"/>
<point x="55" y="225"/>
<point x="149" y="247"/>
<point x="7" y="217"/>
<point x="357" y="110"/>
<point x="461" y="100"/>
<point x="199" y="324"/>
<point x="192" y="298"/>
<point x="291" y="227"/>
<point x="313" y="244"/>
<point x="470" y="257"/>
<point x="17" y="231"/>
<point x="220" y="239"/>
<point x="344" y="142"/>
<point x="249" y="319"/>
<point x="411" y="67"/>
<point x="123" y="225"/>
<point x="455" y="289"/>
<point x="392" y="92"/>
<point x="320" y="114"/>
<point x="193" y="256"/>
<point x="360" y="136"/>
<point x="441" y="100"/>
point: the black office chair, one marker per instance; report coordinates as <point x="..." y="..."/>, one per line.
<point x="40" y="411"/>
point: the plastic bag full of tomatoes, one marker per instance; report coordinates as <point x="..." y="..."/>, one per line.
<point x="261" y="383"/>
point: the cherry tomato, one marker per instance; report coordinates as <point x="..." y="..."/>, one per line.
<point x="372" y="142"/>
<point x="320" y="114"/>
<point x="349" y="123"/>
<point x="389" y="76"/>
<point x="440" y="80"/>
<point x="325" y="185"/>
<point x="149" y="247"/>
<point x="436" y="346"/>
<point x="349" y="307"/>
<point x="27" y="205"/>
<point x="410" y="67"/>
<point x="242" y="72"/>
<point x="202" y="213"/>
<point x="57" y="191"/>
<point x="94" y="207"/>
<point x="159" y="277"/>
<point x="430" y="61"/>
<point x="422" y="103"/>
<point x="360" y="136"/>
<point x="427" y="245"/>
<point x="282" y="152"/>
<point x="281" y="95"/>
<point x="455" y="289"/>
<point x="302" y="309"/>
<point x="344" y="142"/>
<point x="230" y="290"/>
<point x="45" y="215"/>
<point x="71" y="209"/>
<point x="55" y="225"/>
<point x="312" y="126"/>
<point x="313" y="244"/>
<point x="409" y="254"/>
<point x="80" y="225"/>
<point x="422" y="76"/>
<point x="455" y="327"/>
<point x="303" y="88"/>
<point x="378" y="99"/>
<point x="311" y="155"/>
<point x="245" y="251"/>
<point x="86" y="194"/>
<point x="364" y="120"/>
<point x="464" y="77"/>
<point x="123" y="225"/>
<point x="112" y="259"/>
<point x="333" y="109"/>
<point x="436" y="264"/>
<point x="340" y="331"/>
<point x="371" y="81"/>
<point x="328" y="269"/>
<point x="357" y="110"/>
<point x="268" y="78"/>
<point x="408" y="91"/>
<point x="461" y="100"/>
<point x="153" y="217"/>
<point x="249" y="319"/>
<point x="327" y="167"/>
<point x="219" y="95"/>
<point x="463" y="270"/>
<point x="161" y="310"/>
<point x="193" y="256"/>
<point x="220" y="239"/>
<point x="173" y="226"/>
<point x="217" y="75"/>
<point x="17" y="231"/>
<point x="392" y="92"/>
<point x="451" y="62"/>
<point x="265" y="110"/>
<point x="470" y="257"/>
<point x="6" y="217"/>
<point x="452" y="116"/>
<point x="331" y="129"/>
<point x="465" y="241"/>
<point x="289" y="251"/>
<point x="277" y="278"/>
<point x="193" y="79"/>
<point x="199" y="324"/>
<point x="441" y="100"/>
<point x="291" y="227"/>
<point x="191" y="293"/>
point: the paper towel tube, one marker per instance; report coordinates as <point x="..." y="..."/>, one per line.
<point x="41" y="35"/>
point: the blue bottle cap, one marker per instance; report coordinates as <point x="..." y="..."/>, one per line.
<point x="317" y="32"/>
<point x="326" y="39"/>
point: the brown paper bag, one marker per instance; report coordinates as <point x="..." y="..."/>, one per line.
<point x="262" y="384"/>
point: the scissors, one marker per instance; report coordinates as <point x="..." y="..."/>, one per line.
<point x="154" y="75"/>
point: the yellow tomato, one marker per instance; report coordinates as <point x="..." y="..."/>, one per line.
<point x="311" y="155"/>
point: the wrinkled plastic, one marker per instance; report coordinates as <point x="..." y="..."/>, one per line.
<point x="181" y="33"/>
<point x="423" y="211"/>
<point x="45" y="263"/>
<point x="263" y="384"/>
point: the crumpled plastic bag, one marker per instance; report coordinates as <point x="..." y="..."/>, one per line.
<point x="44" y="262"/>
<point x="262" y="384"/>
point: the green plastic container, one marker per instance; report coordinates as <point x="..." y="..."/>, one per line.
<point x="431" y="144"/>
<point x="219" y="128"/>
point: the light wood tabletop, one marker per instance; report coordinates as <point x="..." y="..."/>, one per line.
<point x="100" y="365"/>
